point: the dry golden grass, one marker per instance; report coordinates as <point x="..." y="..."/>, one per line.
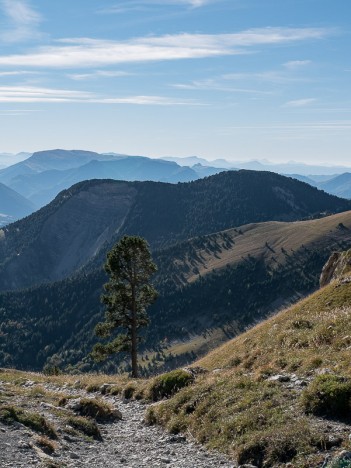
<point x="262" y="239"/>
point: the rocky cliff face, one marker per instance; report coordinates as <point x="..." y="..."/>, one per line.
<point x="337" y="267"/>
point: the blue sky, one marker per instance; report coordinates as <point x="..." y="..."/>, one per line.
<point x="239" y="79"/>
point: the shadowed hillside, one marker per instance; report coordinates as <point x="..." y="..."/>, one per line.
<point x="82" y="223"/>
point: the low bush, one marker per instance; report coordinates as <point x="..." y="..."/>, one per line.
<point x="328" y="395"/>
<point x="166" y="385"/>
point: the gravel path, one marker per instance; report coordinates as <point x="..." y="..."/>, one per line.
<point x="126" y="443"/>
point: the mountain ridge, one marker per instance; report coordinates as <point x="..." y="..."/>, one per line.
<point x="78" y="224"/>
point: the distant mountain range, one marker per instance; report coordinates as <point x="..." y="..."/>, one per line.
<point x="40" y="177"/>
<point x="43" y="175"/>
<point x="8" y="159"/>
<point x="264" y="165"/>
<point x="86" y="219"/>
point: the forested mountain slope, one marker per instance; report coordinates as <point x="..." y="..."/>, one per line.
<point x="82" y="222"/>
<point x="211" y="288"/>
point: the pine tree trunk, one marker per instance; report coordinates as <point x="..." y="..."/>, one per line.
<point x="134" y="350"/>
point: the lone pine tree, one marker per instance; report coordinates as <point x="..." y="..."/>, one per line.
<point x="127" y="295"/>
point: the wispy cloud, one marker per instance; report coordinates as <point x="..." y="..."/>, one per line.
<point x="133" y="5"/>
<point x="85" y="52"/>
<point x="28" y="94"/>
<point x="329" y="125"/>
<point x="296" y="64"/>
<point x="17" y="73"/>
<point x="300" y="102"/>
<point x="22" y="19"/>
<point x="97" y="74"/>
<point x="217" y="85"/>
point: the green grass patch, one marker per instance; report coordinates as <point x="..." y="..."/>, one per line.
<point x="84" y="425"/>
<point x="11" y="414"/>
<point x="167" y="385"/>
<point x="328" y="395"/>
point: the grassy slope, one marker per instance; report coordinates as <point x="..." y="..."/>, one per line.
<point x="270" y="240"/>
<point x="275" y="242"/>
<point x="237" y="409"/>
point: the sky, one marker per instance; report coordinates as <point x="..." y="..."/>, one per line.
<point x="234" y="79"/>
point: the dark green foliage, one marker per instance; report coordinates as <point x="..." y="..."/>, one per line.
<point x="127" y="295"/>
<point x="328" y="395"/>
<point x="167" y="385"/>
<point x="10" y="414"/>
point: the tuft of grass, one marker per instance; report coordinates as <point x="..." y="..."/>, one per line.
<point x="11" y="414"/>
<point x="328" y="395"/>
<point x="84" y="425"/>
<point x="47" y="445"/>
<point x="96" y="409"/>
<point x="129" y="391"/>
<point x="91" y="388"/>
<point x="167" y="385"/>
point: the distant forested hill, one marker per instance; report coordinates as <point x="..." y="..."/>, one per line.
<point x="81" y="224"/>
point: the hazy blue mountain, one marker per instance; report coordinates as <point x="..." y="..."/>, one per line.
<point x="8" y="159"/>
<point x="322" y="178"/>
<point x="193" y="160"/>
<point x="339" y="185"/>
<point x="290" y="168"/>
<point x="13" y="205"/>
<point x="302" y="178"/>
<point x="48" y="160"/>
<point x="43" y="187"/>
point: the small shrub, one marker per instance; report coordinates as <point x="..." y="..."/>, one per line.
<point x="92" y="388"/>
<point x="150" y="417"/>
<point x="167" y="385"/>
<point x="328" y="395"/>
<point x="128" y="391"/>
<point x="47" y="445"/>
<point x="302" y="324"/>
<point x="85" y="425"/>
<point x="51" y="370"/>
<point x="96" y="409"/>
<point x="115" y="390"/>
<point x="10" y="414"/>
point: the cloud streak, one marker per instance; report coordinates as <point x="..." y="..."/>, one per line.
<point x="31" y="94"/>
<point x="22" y="19"/>
<point x="123" y="7"/>
<point x="300" y="102"/>
<point x="85" y="52"/>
